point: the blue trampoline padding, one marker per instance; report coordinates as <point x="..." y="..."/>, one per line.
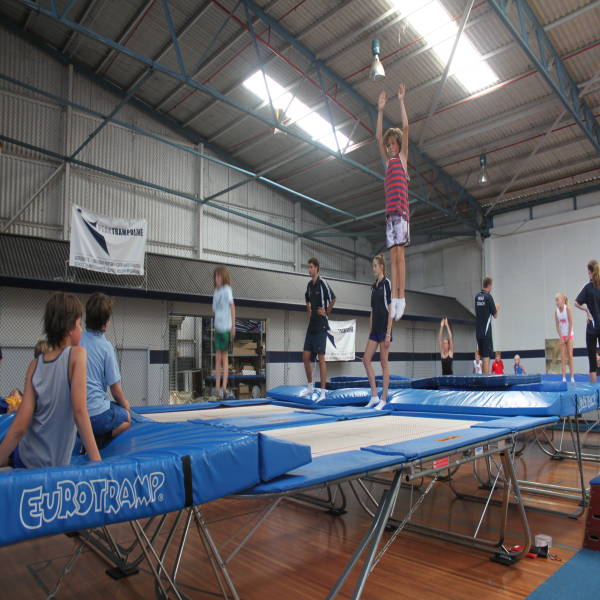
<point x="595" y="481"/>
<point x="276" y="421"/>
<point x="364" y="383"/>
<point x="516" y="424"/>
<point x="474" y="382"/>
<point x="579" y="377"/>
<point x="197" y="405"/>
<point x="343" y="397"/>
<point x="346" y="378"/>
<point x="142" y="410"/>
<point x="503" y="403"/>
<point x="152" y="468"/>
<point x="441" y="442"/>
<point x="246" y="402"/>
<point x="276" y="456"/>
<point x="326" y="468"/>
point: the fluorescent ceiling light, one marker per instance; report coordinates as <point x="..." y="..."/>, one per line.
<point x="318" y="128"/>
<point x="432" y="21"/>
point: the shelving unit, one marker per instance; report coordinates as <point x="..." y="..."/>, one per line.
<point x="247" y="358"/>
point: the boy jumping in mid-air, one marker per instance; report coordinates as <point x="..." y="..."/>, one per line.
<point x="393" y="147"/>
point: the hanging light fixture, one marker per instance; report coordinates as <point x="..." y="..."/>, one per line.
<point x="377" y="71"/>
<point x="483" y="174"/>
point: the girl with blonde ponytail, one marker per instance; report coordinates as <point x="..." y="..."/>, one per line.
<point x="380" y="331"/>
<point x="588" y="300"/>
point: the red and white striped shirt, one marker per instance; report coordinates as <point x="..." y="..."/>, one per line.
<point x="396" y="188"/>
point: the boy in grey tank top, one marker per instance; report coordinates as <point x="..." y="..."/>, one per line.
<point x="54" y="402"/>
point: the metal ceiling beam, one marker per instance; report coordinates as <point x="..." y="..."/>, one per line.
<point x="176" y="75"/>
<point x="519" y="170"/>
<point x="127" y="97"/>
<point x="463" y="21"/>
<point x="445" y="181"/>
<point x="137" y="181"/>
<point x="546" y="200"/>
<point x="536" y="44"/>
<point x="53" y="14"/>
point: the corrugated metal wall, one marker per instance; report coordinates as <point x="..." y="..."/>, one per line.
<point x="177" y="226"/>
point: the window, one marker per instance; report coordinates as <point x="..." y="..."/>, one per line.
<point x="431" y="20"/>
<point x="317" y="127"/>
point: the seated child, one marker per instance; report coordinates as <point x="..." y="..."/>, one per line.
<point x="53" y="408"/>
<point x="498" y="365"/>
<point x="108" y="419"/>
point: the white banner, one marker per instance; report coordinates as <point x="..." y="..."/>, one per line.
<point x="340" y="340"/>
<point x="101" y="243"/>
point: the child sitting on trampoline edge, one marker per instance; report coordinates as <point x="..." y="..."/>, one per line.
<point x="53" y="408"/>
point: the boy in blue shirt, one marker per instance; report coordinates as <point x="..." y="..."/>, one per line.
<point x="108" y="419"/>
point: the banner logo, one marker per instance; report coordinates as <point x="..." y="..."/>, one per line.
<point x="106" y="244"/>
<point x="69" y="498"/>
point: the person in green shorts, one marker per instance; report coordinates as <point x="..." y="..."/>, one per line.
<point x="224" y="311"/>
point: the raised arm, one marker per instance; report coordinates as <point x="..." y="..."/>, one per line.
<point x="450" y="340"/>
<point x="440" y="335"/>
<point x="404" y="117"/>
<point x="379" y="130"/>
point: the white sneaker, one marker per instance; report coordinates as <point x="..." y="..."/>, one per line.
<point x="372" y="402"/>
<point x="307" y="391"/>
<point x="400" y="308"/>
<point x="572" y="379"/>
<point x="381" y="405"/>
<point x="322" y="396"/>
<point x="392" y="307"/>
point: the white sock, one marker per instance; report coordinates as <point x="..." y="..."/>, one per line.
<point x="564" y="379"/>
<point x="322" y="395"/>
<point x="392" y="307"/>
<point x="372" y="402"/>
<point x="310" y="388"/>
<point x="381" y="405"/>
<point x="400" y="308"/>
<point x="572" y="379"/>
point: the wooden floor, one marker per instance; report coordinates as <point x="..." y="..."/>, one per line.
<point x="299" y="551"/>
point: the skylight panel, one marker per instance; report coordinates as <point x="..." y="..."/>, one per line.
<point x="317" y="127"/>
<point x="433" y="22"/>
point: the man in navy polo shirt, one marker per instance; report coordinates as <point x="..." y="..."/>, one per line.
<point x="485" y="309"/>
<point x="320" y="300"/>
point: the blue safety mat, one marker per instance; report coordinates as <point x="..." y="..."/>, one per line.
<point x="198" y="405"/>
<point x="474" y="382"/>
<point x="579" y="377"/>
<point x="343" y="397"/>
<point x="364" y="383"/>
<point x="153" y="468"/>
<point x="379" y="378"/>
<point x="504" y="403"/>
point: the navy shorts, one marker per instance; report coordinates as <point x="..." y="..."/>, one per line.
<point x="110" y="419"/>
<point x="315" y="342"/>
<point x="379" y="337"/>
<point x="486" y="347"/>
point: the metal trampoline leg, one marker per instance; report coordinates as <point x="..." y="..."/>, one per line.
<point x="373" y="537"/>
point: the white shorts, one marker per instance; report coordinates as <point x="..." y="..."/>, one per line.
<point x="397" y="231"/>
